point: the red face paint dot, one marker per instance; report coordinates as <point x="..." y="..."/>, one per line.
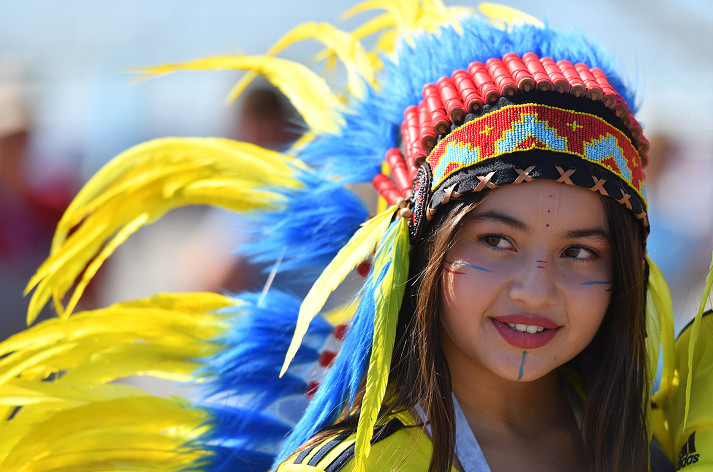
<point x="548" y="225"/>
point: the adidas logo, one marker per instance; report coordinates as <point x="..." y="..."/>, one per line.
<point x="688" y="454"/>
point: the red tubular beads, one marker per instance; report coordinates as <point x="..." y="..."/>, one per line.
<point x="576" y="85"/>
<point x="517" y="69"/>
<point x="620" y="107"/>
<point x="386" y="188"/>
<point x="608" y="92"/>
<point x="559" y="82"/>
<point x="590" y="83"/>
<point x="538" y="72"/>
<point x="634" y="126"/>
<point x="451" y="99"/>
<point x="428" y="135"/>
<point x="503" y="81"/>
<point x="397" y="165"/>
<point x="412" y="145"/>
<point x="483" y="82"/>
<point x="643" y="145"/>
<point x="467" y="90"/>
<point x="436" y="110"/>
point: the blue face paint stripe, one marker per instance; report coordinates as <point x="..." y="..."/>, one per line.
<point x="463" y="264"/>
<point x="522" y="365"/>
<point x="596" y="282"/>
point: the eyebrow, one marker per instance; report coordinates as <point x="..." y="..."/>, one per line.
<point x="588" y="233"/>
<point x="501" y="217"/>
<point x="498" y="216"/>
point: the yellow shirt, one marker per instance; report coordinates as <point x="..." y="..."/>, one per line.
<point x="401" y="446"/>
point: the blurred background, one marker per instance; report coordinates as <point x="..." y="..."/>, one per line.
<point x="67" y="106"/>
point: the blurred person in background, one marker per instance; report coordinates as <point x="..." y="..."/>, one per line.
<point x="198" y="244"/>
<point x="267" y="119"/>
<point x="28" y="212"/>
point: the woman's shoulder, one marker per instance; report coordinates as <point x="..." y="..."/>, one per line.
<point x="398" y="445"/>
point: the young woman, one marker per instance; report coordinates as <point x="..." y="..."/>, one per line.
<point x="509" y="318"/>
<point x="522" y="334"/>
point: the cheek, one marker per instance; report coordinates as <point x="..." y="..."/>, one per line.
<point x="588" y="305"/>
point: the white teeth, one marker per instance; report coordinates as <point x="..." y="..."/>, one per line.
<point x="526" y="328"/>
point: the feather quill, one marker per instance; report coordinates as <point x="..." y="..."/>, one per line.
<point x="359" y="248"/>
<point x="391" y="264"/>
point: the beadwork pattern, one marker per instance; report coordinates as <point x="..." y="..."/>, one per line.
<point x="524" y="127"/>
<point x="451" y="98"/>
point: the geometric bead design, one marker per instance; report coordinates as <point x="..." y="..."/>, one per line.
<point x="525" y="127"/>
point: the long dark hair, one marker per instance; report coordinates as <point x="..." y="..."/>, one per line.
<point x="613" y="367"/>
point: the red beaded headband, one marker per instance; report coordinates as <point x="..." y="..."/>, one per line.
<point x="447" y="103"/>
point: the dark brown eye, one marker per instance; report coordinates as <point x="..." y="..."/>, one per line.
<point x="496" y="241"/>
<point x="580" y="253"/>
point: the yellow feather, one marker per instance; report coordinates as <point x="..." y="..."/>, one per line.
<point x="359" y="248"/>
<point x="376" y="24"/>
<point x="344" y="45"/>
<point x="111" y="450"/>
<point x="695" y="328"/>
<point x="505" y="17"/>
<point x="341" y="314"/>
<point x="132" y="415"/>
<point x="161" y="157"/>
<point x="162" y="336"/>
<point x="164" y="362"/>
<point x="137" y="188"/>
<point x="660" y="331"/>
<point x="17" y="367"/>
<point x="20" y="392"/>
<point x="307" y="92"/>
<point x="392" y="257"/>
<point x="402" y="15"/>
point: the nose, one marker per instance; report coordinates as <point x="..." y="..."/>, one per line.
<point x="533" y="285"/>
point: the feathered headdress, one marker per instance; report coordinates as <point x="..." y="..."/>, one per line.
<point x="253" y="357"/>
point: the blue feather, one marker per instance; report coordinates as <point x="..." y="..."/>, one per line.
<point x="321" y="217"/>
<point x="252" y="409"/>
<point x="355" y="153"/>
<point x="318" y="221"/>
<point x="342" y="383"/>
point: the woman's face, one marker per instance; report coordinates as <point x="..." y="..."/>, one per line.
<point x="528" y="281"/>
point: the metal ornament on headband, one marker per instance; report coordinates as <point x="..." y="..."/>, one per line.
<point x="512" y="121"/>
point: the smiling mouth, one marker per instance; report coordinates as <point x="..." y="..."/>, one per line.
<point x="516" y="330"/>
<point x="523" y="328"/>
